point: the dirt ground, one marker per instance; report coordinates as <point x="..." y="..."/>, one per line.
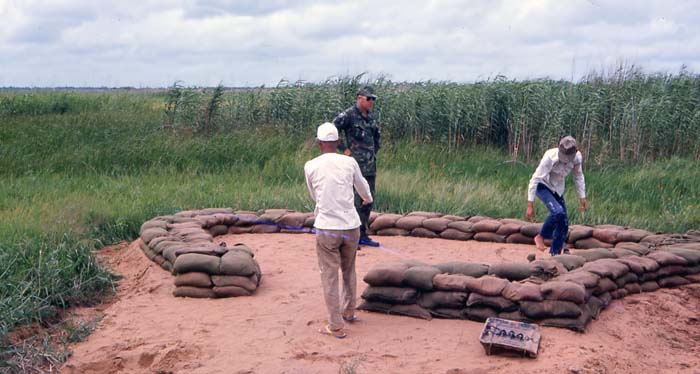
<point x="147" y="330"/>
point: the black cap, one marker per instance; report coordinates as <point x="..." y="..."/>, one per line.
<point x="367" y="91"/>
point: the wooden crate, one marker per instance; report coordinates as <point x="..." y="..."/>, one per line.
<point x="502" y="335"/>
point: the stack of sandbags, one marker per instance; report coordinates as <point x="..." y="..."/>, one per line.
<point x="228" y="273"/>
<point x="564" y="291"/>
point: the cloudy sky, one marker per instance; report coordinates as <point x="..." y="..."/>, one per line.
<point x="153" y="43"/>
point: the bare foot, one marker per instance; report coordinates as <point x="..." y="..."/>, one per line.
<point x="539" y="242"/>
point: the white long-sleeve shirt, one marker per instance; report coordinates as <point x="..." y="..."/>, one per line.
<point x="330" y="179"/>
<point x="551" y="172"/>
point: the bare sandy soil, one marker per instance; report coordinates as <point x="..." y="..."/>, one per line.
<point x="147" y="330"/>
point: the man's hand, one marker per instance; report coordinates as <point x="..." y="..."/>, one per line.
<point x="347" y="152"/>
<point x="366" y="202"/>
<point x="530" y="211"/>
<point x="584" y="204"/>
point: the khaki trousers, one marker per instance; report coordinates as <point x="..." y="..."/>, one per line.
<point x="337" y="249"/>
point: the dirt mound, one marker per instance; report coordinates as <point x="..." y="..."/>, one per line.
<point x="147" y="330"/>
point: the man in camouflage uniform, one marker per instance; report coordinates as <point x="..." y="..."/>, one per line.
<point x="361" y="141"/>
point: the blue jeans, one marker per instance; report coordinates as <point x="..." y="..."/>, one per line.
<point x="556" y="226"/>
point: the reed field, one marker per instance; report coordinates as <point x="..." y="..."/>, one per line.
<point x="80" y="170"/>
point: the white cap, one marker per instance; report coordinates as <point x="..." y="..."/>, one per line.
<point x="327" y="132"/>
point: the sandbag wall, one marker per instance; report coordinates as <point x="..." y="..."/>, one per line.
<point x="563" y="291"/>
<point x="209" y="270"/>
<point x="507" y="230"/>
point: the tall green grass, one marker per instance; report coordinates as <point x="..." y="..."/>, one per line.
<point x="80" y="170"/>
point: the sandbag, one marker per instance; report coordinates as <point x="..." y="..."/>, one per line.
<point x="650" y="286"/>
<point x="627" y="278"/>
<point x="623" y="252"/>
<point x="452" y="217"/>
<point x="581" y="277"/>
<point x="515" y="315"/>
<point x="272" y="215"/>
<point x="646" y="264"/>
<point x="393" y="232"/>
<point x="471" y="269"/>
<point x="578" y="232"/>
<point x="264" y="229"/>
<point x="522" y="292"/>
<point x="147" y="251"/>
<point x="667" y="270"/>
<point x="411" y="310"/>
<point x="447" y="313"/>
<point x="590" y="243"/>
<point x="487" y="225"/>
<point x="196" y="292"/>
<point x="375" y="306"/>
<point x="569" y="261"/>
<point x="605" y="235"/>
<point x="230" y="291"/>
<point x="604" y="285"/>
<point x="217" y="230"/>
<point x="547" y="268"/>
<point x="248" y="283"/>
<point x="475" y="219"/>
<point x="422" y="232"/>
<point x="691" y="256"/>
<point x="194" y="279"/>
<point x="420" y="277"/>
<point x="618" y="293"/>
<point x="409" y="222"/>
<point x="479" y="314"/>
<point x="392" y="295"/>
<point x="508" y="229"/>
<point x="511" y="271"/>
<point x="154" y="223"/>
<point x="246" y="219"/>
<point x="421" y="213"/>
<point x="193" y="262"/>
<point x="451" y="282"/>
<point x="463" y="226"/>
<point x="633" y="288"/>
<point x="443" y="299"/>
<point x="550" y="309"/>
<point x="204" y="248"/>
<point x="497" y="303"/>
<point x="563" y="291"/>
<point x="632" y="235"/>
<point x="519" y="238"/>
<point x="664" y="258"/>
<point x="292" y="220"/>
<point x="576" y="324"/>
<point x="693" y="278"/>
<point x="639" y="249"/>
<point x="595" y="305"/>
<point x="656" y="239"/>
<point x="233" y="230"/>
<point x="531" y="229"/>
<point x="152" y="233"/>
<point x="607" y="267"/>
<point x="386" y="274"/>
<point x="454" y="234"/>
<point x="595" y="254"/>
<point x="237" y="262"/>
<point x="489" y="237"/>
<point x="384" y="221"/>
<point x="436" y="224"/>
<point x="487" y="285"/>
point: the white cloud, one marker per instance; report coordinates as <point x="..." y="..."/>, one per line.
<point x="246" y="42"/>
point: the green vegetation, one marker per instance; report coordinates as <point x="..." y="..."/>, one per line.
<point x="81" y="170"/>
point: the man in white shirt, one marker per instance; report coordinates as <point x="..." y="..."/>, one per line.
<point x="330" y="179"/>
<point x="548" y="184"/>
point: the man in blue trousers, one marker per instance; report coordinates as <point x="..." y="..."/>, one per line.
<point x="548" y="184"/>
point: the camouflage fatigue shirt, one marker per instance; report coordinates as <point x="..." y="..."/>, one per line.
<point x="361" y="136"/>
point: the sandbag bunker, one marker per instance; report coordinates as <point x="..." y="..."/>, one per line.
<point x="564" y="291"/>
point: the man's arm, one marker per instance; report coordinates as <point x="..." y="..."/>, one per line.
<point x="309" y="184"/>
<point x="377" y="136"/>
<point x="342" y="123"/>
<point x="540" y="173"/>
<point x="580" y="184"/>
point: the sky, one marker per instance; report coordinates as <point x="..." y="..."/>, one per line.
<point x="154" y="43"/>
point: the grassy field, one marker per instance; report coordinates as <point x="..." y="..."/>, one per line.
<point x="81" y="170"/>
